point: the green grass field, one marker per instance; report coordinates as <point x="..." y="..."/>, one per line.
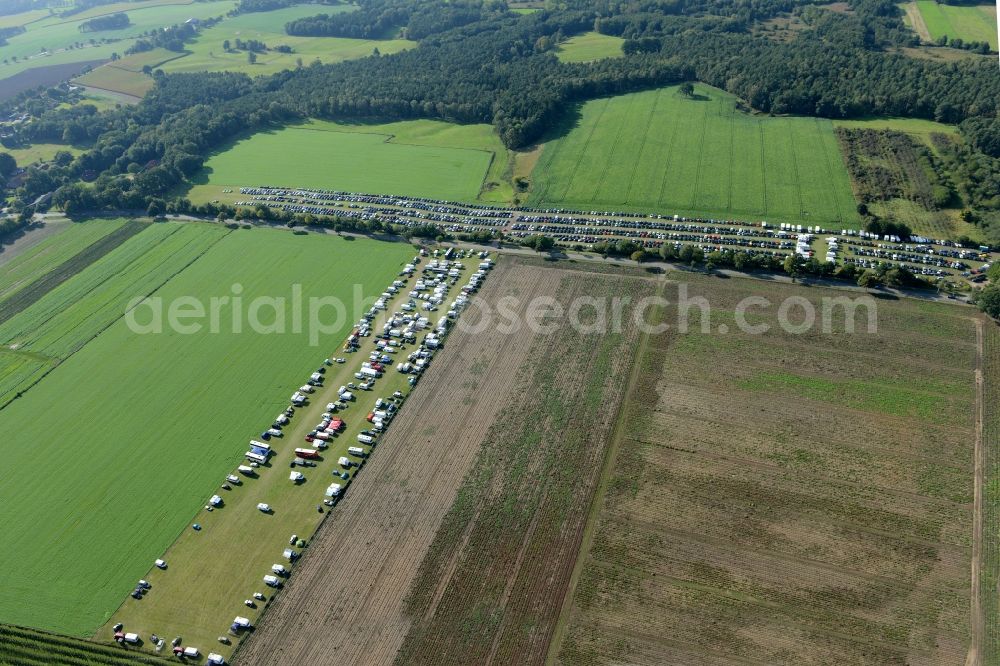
<point x="590" y="46"/>
<point x="971" y="23"/>
<point x="913" y="126"/>
<point x="659" y="150"/>
<point x="133" y="447"/>
<point x="200" y="593"/>
<point x="54" y="35"/>
<point x="118" y="80"/>
<point x="14" y="20"/>
<point x="206" y="53"/>
<point x="22" y="269"/>
<point x="424" y="158"/>
<point x="40" y="152"/>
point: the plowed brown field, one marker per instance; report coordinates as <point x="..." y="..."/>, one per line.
<point x="456" y="543"/>
<point x="788" y="498"/>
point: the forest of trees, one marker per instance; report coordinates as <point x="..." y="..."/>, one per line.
<point x="116" y="21"/>
<point x="477" y="62"/>
<point x="250" y="6"/>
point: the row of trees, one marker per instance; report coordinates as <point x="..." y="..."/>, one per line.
<point x="250" y="6"/>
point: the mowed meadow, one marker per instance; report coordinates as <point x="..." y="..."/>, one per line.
<point x="660" y="150"/>
<point x="115" y="450"/>
<point x="52" y="40"/>
<point x="786" y="498"/>
<point x="971" y="23"/>
<point x="411" y="158"/>
<point x="206" y="53"/>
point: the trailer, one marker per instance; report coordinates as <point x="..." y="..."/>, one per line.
<point x="356" y="451"/>
<point x="307" y="453"/>
<point x="245" y="470"/>
<point x="255" y="457"/>
<point x="365" y="439"/>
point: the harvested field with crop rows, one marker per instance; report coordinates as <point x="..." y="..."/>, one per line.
<point x="782" y="498"/>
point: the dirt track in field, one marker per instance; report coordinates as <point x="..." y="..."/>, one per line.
<point x="345" y="602"/>
<point x="975" y="655"/>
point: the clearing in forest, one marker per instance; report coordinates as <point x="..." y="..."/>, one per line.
<point x="413" y="158"/>
<point x="662" y="151"/>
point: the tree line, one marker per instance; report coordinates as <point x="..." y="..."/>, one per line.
<point x="501" y="68"/>
<point x="116" y="21"/>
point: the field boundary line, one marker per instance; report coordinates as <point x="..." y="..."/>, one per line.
<point x="663" y="640"/>
<point x="614" y="148"/>
<point x="586" y="144"/>
<point x="56" y="277"/>
<point x="512" y="580"/>
<point x="389" y="138"/>
<point x="121" y="11"/>
<point x="732" y="151"/>
<point x="817" y="124"/>
<point x="853" y="527"/>
<point x="158" y="64"/>
<point x="975" y="656"/>
<point x="116" y="92"/>
<point x="795" y="168"/>
<point x="830" y="440"/>
<point x="618" y="435"/>
<point x="103" y="329"/>
<point x="645" y="142"/>
<point x="697" y="170"/>
<point x="668" y="162"/>
<point x="449" y="570"/>
<point x="794" y="619"/>
<point x="763" y="166"/>
<point x="917" y="21"/>
<point x="833" y="481"/>
<point x="486" y="174"/>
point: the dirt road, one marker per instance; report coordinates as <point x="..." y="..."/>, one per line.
<point x="974" y="657"/>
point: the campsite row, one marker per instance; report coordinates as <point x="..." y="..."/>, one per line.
<point x="404" y="337"/>
<point x="937" y="258"/>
